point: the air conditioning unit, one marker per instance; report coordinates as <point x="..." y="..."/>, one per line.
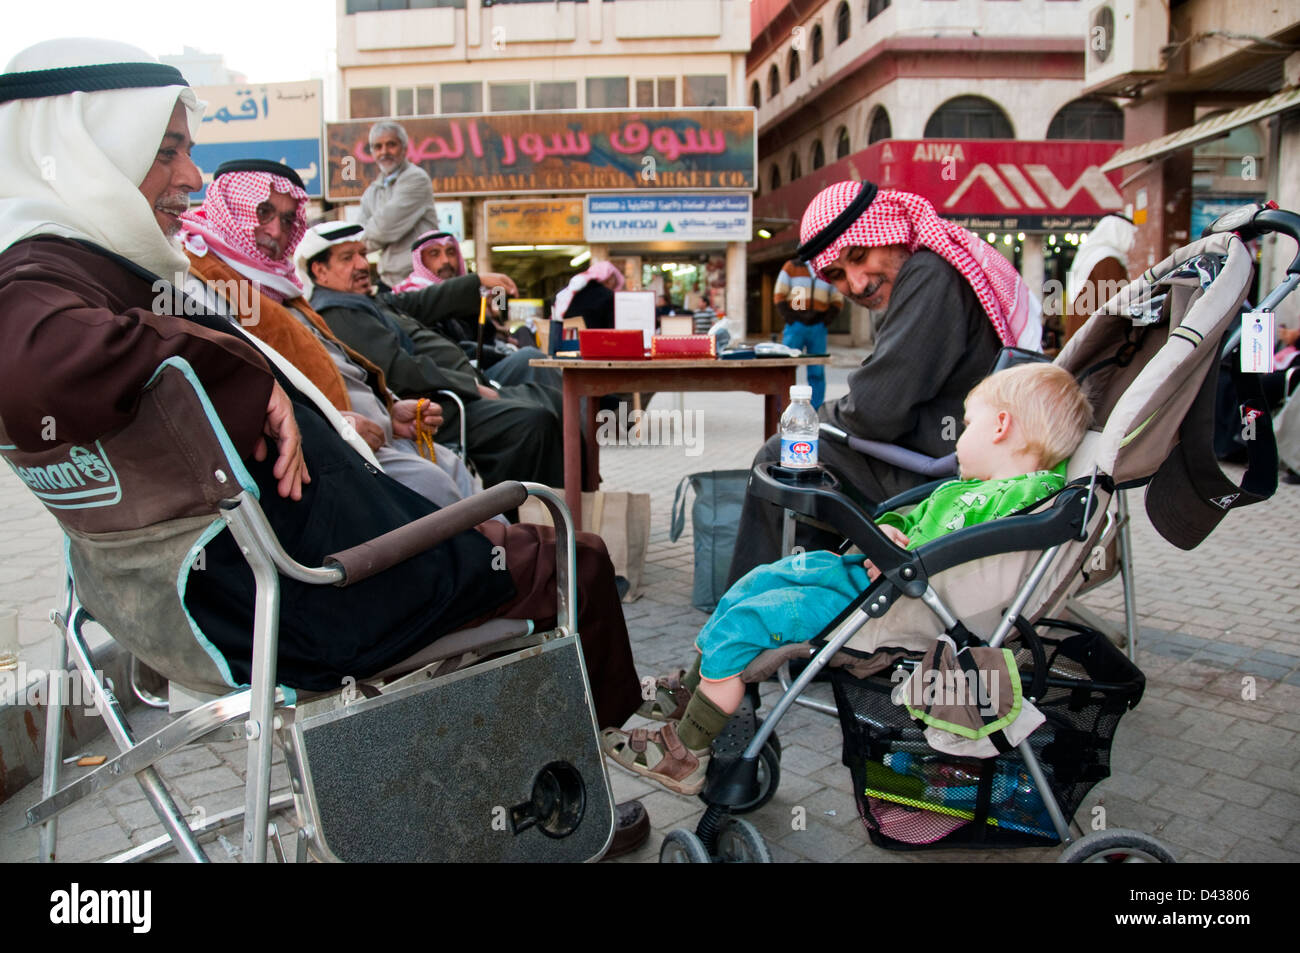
<point x="1123" y="43"/>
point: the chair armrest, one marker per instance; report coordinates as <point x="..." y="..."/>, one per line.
<point x="383" y="552"/>
<point x="460" y="405"/>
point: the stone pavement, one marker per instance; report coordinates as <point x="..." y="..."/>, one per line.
<point x="1212" y="774"/>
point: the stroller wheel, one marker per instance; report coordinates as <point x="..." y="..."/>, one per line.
<point x="769" y="777"/>
<point x="739" y="842"/>
<point x="1117" y="847"/>
<point x="683" y="847"/>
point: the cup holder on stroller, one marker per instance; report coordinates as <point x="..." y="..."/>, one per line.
<point x="558" y="803"/>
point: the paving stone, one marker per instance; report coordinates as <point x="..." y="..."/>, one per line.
<point x="1209" y="840"/>
<point x="1282" y="805"/>
<point x="1180" y="800"/>
<point x="820" y="843"/>
<point x="1235" y="790"/>
<point x="199" y="785"/>
<point x="189" y="760"/>
<point x="1246" y="821"/>
<point x="92" y="845"/>
<point x="1258" y="852"/>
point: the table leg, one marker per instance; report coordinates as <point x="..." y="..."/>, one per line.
<point x="774" y="404"/>
<point x="591" y="474"/>
<point x="572" y="449"/>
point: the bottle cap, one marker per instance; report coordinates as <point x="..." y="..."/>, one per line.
<point x="801" y="392"/>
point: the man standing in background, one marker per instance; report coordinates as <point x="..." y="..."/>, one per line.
<point x="398" y="206"/>
<point x="807" y="304"/>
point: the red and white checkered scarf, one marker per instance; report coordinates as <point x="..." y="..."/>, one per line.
<point x="903" y="218"/>
<point x="227" y="217"/>
<point x="422" y="277"/>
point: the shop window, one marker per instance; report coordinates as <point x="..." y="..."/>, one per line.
<point x="774" y="181"/>
<point x="969" y="117"/>
<point x="1239" y="155"/>
<point x="843" y="24"/>
<point x="773" y="82"/>
<point x="555" y="96"/>
<point x="1087" y="119"/>
<point x="704" y="90"/>
<point x="875" y="8"/>
<point x="405" y="102"/>
<point x="817" y="43"/>
<point x="368" y="102"/>
<point x="607" y="92"/>
<point x="818" y="155"/>
<point x="842" y="146"/>
<point x="659" y="92"/>
<point x="796" y="170"/>
<point x="879" y="128"/>
<point x="792" y="71"/>
<point x="755" y="95"/>
<point x="462" y="97"/>
<point x="509" y="97"/>
<point x="424" y="100"/>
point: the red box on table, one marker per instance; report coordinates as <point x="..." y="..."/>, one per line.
<point x="621" y="345"/>
<point x="684" y="346"/>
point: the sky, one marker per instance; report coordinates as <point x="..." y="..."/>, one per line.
<point x="267" y="40"/>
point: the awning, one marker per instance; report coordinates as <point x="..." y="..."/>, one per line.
<point x="1205" y="130"/>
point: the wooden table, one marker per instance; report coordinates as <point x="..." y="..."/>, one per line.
<point x="770" y="377"/>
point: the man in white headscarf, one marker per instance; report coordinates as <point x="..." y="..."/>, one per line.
<point x="95" y="174"/>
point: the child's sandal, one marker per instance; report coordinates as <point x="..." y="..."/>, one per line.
<point x="657" y="755"/>
<point x="670" y="701"/>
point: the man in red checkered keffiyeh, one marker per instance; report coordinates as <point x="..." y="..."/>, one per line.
<point x="253" y="219"/>
<point x="833" y="237"/>
<point x="435" y="257"/>
<point x="947" y="303"/>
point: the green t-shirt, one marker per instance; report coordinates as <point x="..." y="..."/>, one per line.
<point x="961" y="503"/>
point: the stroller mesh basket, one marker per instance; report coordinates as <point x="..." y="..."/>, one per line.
<point x="912" y="797"/>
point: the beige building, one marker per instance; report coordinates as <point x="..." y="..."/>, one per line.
<point x="445" y="57"/>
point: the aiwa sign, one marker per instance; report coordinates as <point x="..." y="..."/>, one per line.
<point x="687" y="217"/>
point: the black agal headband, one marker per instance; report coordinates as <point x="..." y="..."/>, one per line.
<point x="838" y="226"/>
<point x="40" y="83"/>
<point x="260" y="165"/>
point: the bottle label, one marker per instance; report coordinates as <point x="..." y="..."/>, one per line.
<point x="799" y="453"/>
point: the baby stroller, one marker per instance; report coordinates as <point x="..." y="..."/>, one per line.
<point x="1147" y="361"/>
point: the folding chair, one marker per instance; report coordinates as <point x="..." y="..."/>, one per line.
<point x="391" y="768"/>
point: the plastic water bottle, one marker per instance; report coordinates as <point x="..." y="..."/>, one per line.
<point x="799" y="430"/>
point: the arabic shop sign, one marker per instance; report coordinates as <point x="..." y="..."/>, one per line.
<point x="599" y="151"/>
<point x="276" y="121"/>
<point x="534" y="221"/>
<point x="660" y="217"/>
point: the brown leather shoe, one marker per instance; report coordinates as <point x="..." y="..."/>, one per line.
<point x="631" y="829"/>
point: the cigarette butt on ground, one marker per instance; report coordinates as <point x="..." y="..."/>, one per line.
<point x="91" y="760"/>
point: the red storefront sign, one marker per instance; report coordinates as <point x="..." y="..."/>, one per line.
<point x="984" y="185"/>
<point x="592" y="151"/>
